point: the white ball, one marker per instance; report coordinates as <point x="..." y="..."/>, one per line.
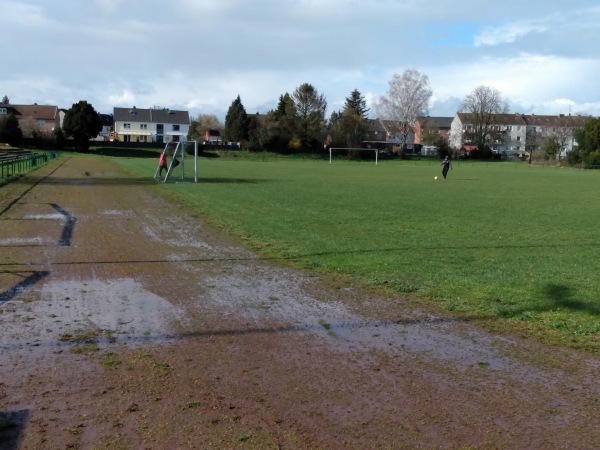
<point x="435" y="178"/>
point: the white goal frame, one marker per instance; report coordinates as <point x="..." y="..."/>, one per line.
<point x="180" y="151"/>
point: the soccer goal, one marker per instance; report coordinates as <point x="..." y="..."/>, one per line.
<point x="348" y="149"/>
<point x="174" y="156"/>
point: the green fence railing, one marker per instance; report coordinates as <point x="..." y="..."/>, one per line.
<point x="14" y="164"/>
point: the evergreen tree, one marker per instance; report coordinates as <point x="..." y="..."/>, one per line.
<point x="357" y="104"/>
<point x="285" y="116"/>
<point x="5" y="100"/>
<point x="588" y="140"/>
<point x="236" y="122"/>
<point x="10" y="131"/>
<point x="82" y="122"/>
<point x="310" y="113"/>
<point x="353" y="123"/>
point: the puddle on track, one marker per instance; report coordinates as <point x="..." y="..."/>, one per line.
<point x="121" y="307"/>
<point x="277" y="297"/>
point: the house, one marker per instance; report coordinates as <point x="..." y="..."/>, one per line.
<point x="107" y="124"/>
<point x="150" y="125"/>
<point x="517" y="135"/>
<point x="506" y="135"/>
<point x="430" y="129"/>
<point x="383" y="134"/>
<point x="212" y="137"/>
<point x="562" y="128"/>
<point x="33" y="119"/>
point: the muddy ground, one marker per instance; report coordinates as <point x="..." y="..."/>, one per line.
<point x="127" y="323"/>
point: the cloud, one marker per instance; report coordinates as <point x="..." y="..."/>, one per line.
<point x="23" y="14"/>
<point x="507" y="33"/>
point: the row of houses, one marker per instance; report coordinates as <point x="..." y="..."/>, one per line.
<point x="511" y="134"/>
<point x="125" y="124"/>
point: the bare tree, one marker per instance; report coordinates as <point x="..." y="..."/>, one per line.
<point x="204" y="122"/>
<point x="407" y="98"/>
<point x="483" y="105"/>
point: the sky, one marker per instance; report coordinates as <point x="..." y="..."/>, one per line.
<point x="543" y="56"/>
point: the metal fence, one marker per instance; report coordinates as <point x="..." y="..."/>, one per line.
<point x="15" y="163"/>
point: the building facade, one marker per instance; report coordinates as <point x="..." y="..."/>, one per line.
<point x="516" y="135"/>
<point x="150" y="125"/>
<point x="33" y="119"/>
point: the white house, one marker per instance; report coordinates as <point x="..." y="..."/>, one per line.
<point x="150" y="125"/>
<point x="517" y="134"/>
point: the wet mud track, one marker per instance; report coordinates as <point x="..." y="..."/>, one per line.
<point x="126" y="322"/>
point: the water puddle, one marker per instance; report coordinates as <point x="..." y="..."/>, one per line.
<point x="118" y="310"/>
<point x="276" y="296"/>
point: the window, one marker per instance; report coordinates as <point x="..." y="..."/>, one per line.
<point x="143" y="126"/>
<point x="175" y="127"/>
<point x="518" y="138"/>
<point x="508" y="127"/>
<point x="3" y="111"/>
<point x="127" y="126"/>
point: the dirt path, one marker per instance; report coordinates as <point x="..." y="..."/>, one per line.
<point x="126" y="323"/>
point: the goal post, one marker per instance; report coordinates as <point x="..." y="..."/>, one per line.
<point x="176" y="152"/>
<point x="376" y="150"/>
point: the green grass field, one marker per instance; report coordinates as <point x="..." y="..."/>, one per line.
<point x="511" y="245"/>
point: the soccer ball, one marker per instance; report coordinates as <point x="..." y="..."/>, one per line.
<point x="435" y="178"/>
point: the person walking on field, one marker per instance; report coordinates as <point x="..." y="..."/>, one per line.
<point x="446" y="165"/>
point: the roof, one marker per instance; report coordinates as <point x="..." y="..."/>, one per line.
<point x="555" y="121"/>
<point x="106" y="119"/>
<point x="499" y="119"/>
<point x="529" y="120"/>
<point x="37" y="112"/>
<point x="389" y="126"/>
<point x="436" y="122"/>
<point x="151" y="115"/>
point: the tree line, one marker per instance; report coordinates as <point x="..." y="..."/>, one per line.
<point x="298" y="123"/>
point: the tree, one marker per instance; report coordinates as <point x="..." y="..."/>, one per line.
<point x="310" y="114"/>
<point x="483" y="105"/>
<point x="353" y="123"/>
<point x="285" y="115"/>
<point x="407" y="98"/>
<point x="204" y="122"/>
<point x="356" y="104"/>
<point x="82" y="123"/>
<point x="10" y="131"/>
<point x="236" y="122"/>
<point x="261" y="131"/>
<point x="550" y="147"/>
<point x="58" y="138"/>
<point x="532" y="143"/>
<point x="5" y="100"/>
<point x="588" y="140"/>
